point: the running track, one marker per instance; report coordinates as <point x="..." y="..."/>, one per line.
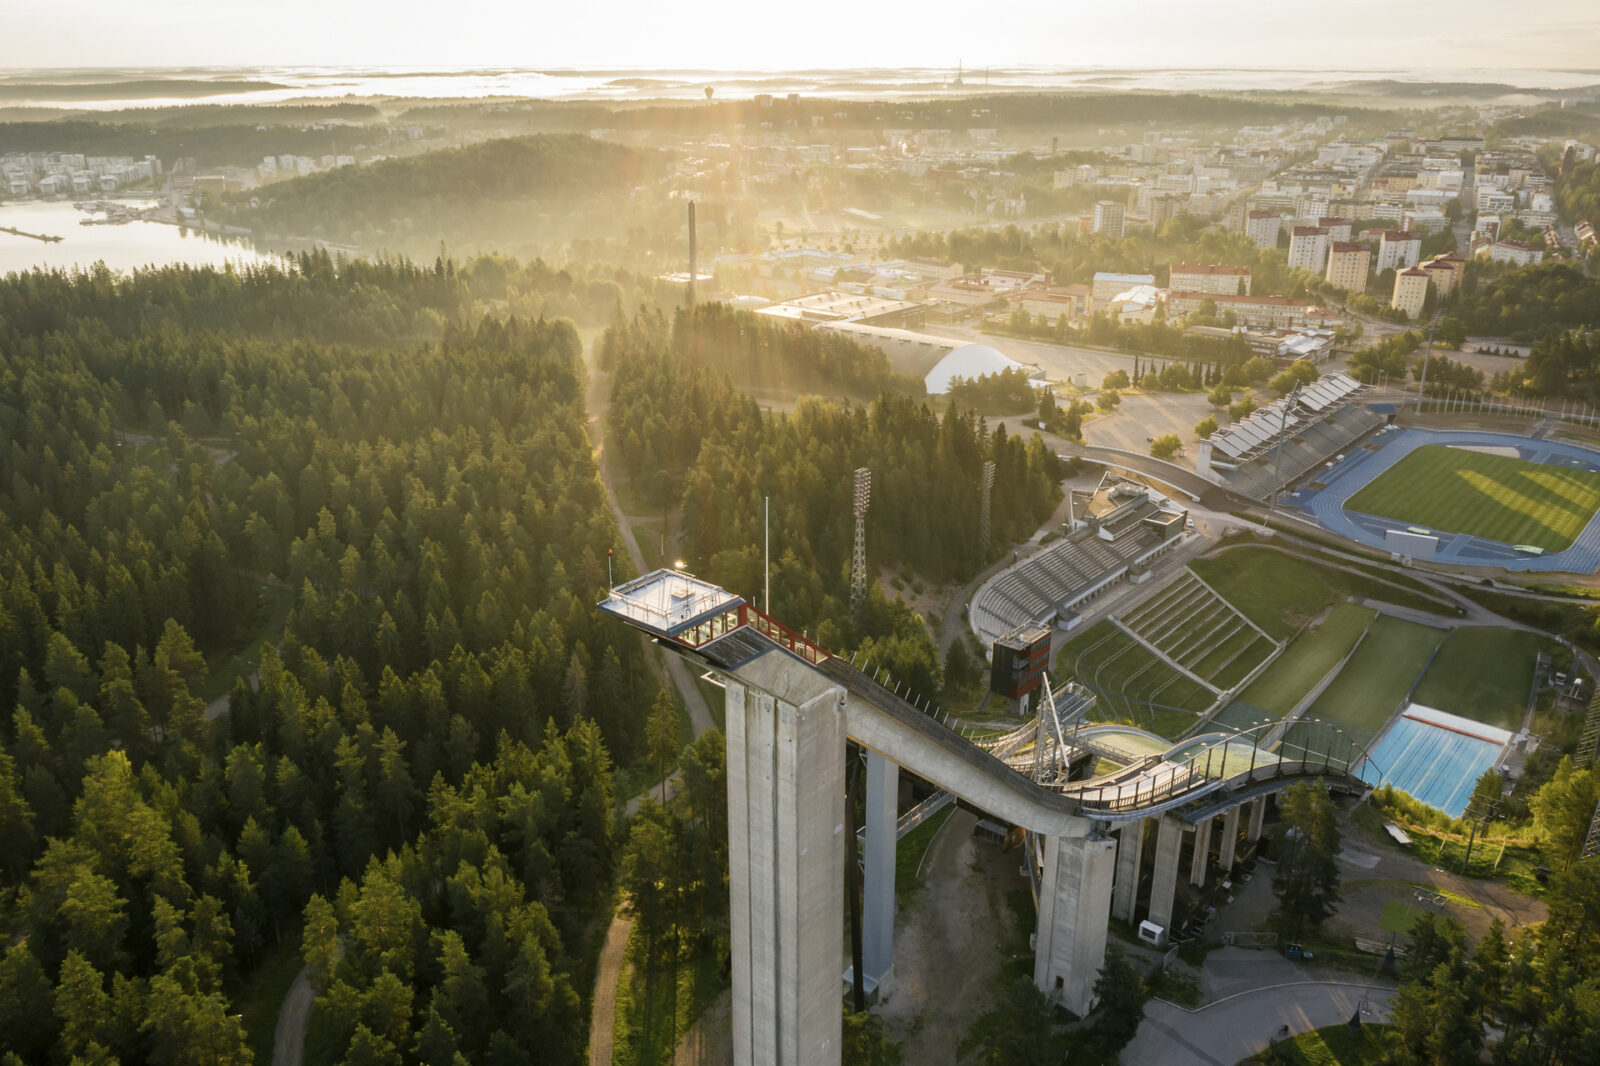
<point x="1326" y="505"/>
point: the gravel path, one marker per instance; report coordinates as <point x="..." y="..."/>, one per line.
<point x="602" y="1015"/>
<point x="289" y="1039"/>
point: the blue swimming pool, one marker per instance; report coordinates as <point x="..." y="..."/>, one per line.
<point x="1435" y="757"/>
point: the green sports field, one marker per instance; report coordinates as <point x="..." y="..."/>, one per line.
<point x="1483" y="674"/>
<point x="1302" y="664"/>
<point x="1495" y="497"/>
<point x="1378" y="676"/>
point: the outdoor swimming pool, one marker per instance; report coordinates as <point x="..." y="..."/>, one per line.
<point x="1435" y="756"/>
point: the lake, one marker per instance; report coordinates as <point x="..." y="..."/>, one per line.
<point x="124" y="247"/>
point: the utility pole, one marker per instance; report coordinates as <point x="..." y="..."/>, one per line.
<point x="1479" y="814"/>
<point x="983" y="516"/>
<point x="858" y="565"/>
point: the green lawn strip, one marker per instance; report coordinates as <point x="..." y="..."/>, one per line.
<point x="1492" y="496"/>
<point x="1275" y="591"/>
<point x="1109" y="661"/>
<point x="1333" y="1046"/>
<point x="1206" y="660"/>
<point x="1158" y="720"/>
<point x="653" y="1014"/>
<point x="1380" y="673"/>
<point x="262" y="997"/>
<point x="1305" y="661"/>
<point x="1240" y="668"/>
<point x="1483" y="674"/>
<point x="1280" y="592"/>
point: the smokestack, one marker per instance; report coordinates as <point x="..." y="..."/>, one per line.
<point x="691" y="253"/>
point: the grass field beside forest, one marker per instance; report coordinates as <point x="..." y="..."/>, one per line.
<point x="1302" y="664"/>
<point x="1496" y="497"/>
<point x="1380" y="673"/>
<point x="1482" y="673"/>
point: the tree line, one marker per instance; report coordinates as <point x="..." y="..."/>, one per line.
<point x="412" y="787"/>
<point x="687" y="438"/>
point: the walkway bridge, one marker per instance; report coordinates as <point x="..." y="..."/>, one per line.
<point x="791" y="708"/>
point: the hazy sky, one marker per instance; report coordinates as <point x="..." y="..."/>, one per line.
<point x="745" y="34"/>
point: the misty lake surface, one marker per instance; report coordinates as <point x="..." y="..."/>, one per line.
<point x="121" y="247"/>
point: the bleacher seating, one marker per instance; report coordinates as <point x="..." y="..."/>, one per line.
<point x="1047" y="584"/>
<point x="1302" y="453"/>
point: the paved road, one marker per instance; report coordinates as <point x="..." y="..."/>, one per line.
<point x="1245" y="1023"/>
<point x="289" y="1038"/>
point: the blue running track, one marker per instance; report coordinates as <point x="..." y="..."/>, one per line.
<point x="1325" y="506"/>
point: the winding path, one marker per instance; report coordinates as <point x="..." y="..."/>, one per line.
<point x="602" y="1014"/>
<point x="1245" y="1023"/>
<point x="289" y="1038"/>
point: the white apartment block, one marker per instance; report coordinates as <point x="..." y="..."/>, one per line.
<point x="1308" y="248"/>
<point x="1217" y="280"/>
<point x="1262" y="228"/>
<point x="1514" y="252"/>
<point x="1398" y="250"/>
<point x="1108" y="218"/>
<point x="1410" y="290"/>
<point x="1338" y="228"/>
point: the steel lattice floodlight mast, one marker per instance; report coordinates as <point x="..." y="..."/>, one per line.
<point x="1591" y="843"/>
<point x="858" y="564"/>
<point x="1283" y="432"/>
<point x="983" y="516"/>
<point x="1433" y="330"/>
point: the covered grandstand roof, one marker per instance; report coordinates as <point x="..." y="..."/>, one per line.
<point x="1255" y="434"/>
<point x="968" y="361"/>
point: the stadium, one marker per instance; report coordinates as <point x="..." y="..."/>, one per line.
<point x="1463" y="498"/>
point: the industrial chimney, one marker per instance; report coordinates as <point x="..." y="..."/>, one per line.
<point x="691" y="253"/>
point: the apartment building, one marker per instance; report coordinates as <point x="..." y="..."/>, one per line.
<point x="1348" y="262"/>
<point x="1398" y="250"/>
<point x="1308" y="248"/>
<point x="1410" y="290"/>
<point x="1262" y="228"/>
<point x="1216" y="279"/>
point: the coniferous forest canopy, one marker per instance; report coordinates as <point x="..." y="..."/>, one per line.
<point x="549" y="185"/>
<point x="421" y="781"/>
<point x="411" y="786"/>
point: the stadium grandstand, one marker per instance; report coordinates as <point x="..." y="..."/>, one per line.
<point x="1123" y="525"/>
<point x="1314" y="425"/>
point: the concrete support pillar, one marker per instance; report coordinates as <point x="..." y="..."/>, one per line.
<point x="786" y="828"/>
<point x="1202" y="852"/>
<point x="877" y="919"/>
<point x="1258" y="813"/>
<point x="1230" y="837"/>
<point x="1130" y="850"/>
<point x="1164" y="881"/>
<point x="1074" y="892"/>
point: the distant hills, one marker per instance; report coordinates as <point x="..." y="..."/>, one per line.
<point x="513" y="189"/>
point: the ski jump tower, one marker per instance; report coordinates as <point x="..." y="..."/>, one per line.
<point x="791" y="707"/>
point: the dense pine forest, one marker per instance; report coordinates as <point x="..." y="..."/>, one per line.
<point x="382" y="491"/>
<point x="686" y="436"/>
<point x="547" y="186"/>
<point x="418" y="782"/>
